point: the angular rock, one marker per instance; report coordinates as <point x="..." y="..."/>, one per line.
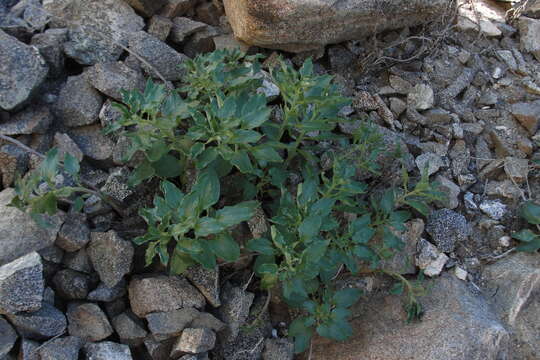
<point x="111" y="256"/>
<point x="471" y="330"/>
<point x="93" y="143"/>
<point x="66" y="348"/>
<point x="161" y="56"/>
<point x="111" y="78"/>
<point x="52" y="254"/>
<point x="28" y="350"/>
<point x="451" y="190"/>
<point x="71" y="285"/>
<point x="106" y="294"/>
<point x="207" y="321"/>
<point x="160" y="27"/>
<point x="147" y="7"/>
<point x="206" y="281"/>
<point x="107" y="350"/>
<point x="117" y="186"/>
<point x="164" y="325"/>
<point x="201" y="42"/>
<point x="184" y="27"/>
<point x="35" y="119"/>
<point x="8" y="336"/>
<point x="78" y="261"/>
<point x="43" y="324"/>
<point x="421" y="97"/>
<point x="159" y="350"/>
<point x="234" y="310"/>
<point x="528" y="114"/>
<point x="516" y="169"/>
<point x="22" y="71"/>
<point x="19" y="234"/>
<point x="66" y="145"/>
<point x="403" y="262"/>
<point x="21" y="285"/>
<point x="129" y="328"/>
<point x="447" y="228"/>
<point x="430" y="259"/>
<point x="278" y="349"/>
<point x="74" y="234"/>
<point x="78" y="103"/>
<point x="431" y="161"/>
<point x="95" y="29"/>
<point x="298" y="26"/>
<point x="175" y="8"/>
<point x="493" y="208"/>
<point x="229" y="42"/>
<point x="13" y="161"/>
<point x="529" y="30"/>
<point x="162" y="293"/>
<point x="194" y="341"/>
<point x="50" y="46"/>
<point x="88" y="321"/>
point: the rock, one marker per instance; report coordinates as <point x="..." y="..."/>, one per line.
<point x="106" y="294"/>
<point x="460" y="273"/>
<point x="8" y="336"/>
<point x="165" y="325"/>
<point x="66" y="348"/>
<point x="308" y="25"/>
<point x="43" y="324"/>
<point x="74" y="234"/>
<point x="421" y="97"/>
<point x="451" y="190"/>
<point x="129" y="328"/>
<point x="111" y="78"/>
<point x="88" y="321"/>
<point x="160" y="27"/>
<point x="159" y="350"/>
<point x="21" y="285"/>
<point x="194" y="341"/>
<point x="22" y="71"/>
<point x="207" y="321"/>
<point x="108" y="114"/>
<point x="229" y="42"/>
<point x="403" y="262"/>
<point x="147" y="7"/>
<point x="92" y="142"/>
<point x="107" y="350"/>
<point x="471" y="330"/>
<point x="234" y="310"/>
<point x="71" y="285"/>
<point x="528" y="114"/>
<point x="493" y="208"/>
<point x="160" y="55"/>
<point x="447" y="228"/>
<point x="184" y="27"/>
<point x="201" y="42"/>
<point x="513" y="283"/>
<point x="529" y="30"/>
<point x="431" y="161"/>
<point x="111" y="256"/>
<point x="19" y="234"/>
<point x="162" y="293"/>
<point x="35" y="119"/>
<point x="516" y="169"/>
<point x="175" y="8"/>
<point x="430" y="259"/>
<point x="66" y="145"/>
<point x="28" y="350"/>
<point x="278" y="349"/>
<point x="78" y="102"/>
<point x="206" y="281"/>
<point x="78" y="261"/>
<point x="117" y="186"/>
<point x="13" y="161"/>
<point x="87" y="24"/>
<point x="52" y="254"/>
<point x="50" y="46"/>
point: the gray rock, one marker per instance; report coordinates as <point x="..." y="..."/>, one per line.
<point x="66" y="145"/>
<point x="78" y="261"/>
<point x="421" y="97"/>
<point x="529" y="30"/>
<point x="528" y="114"/>
<point x="194" y="341"/>
<point x="106" y="294"/>
<point x="129" y="328"/>
<point x="22" y="71"/>
<point x="430" y="259"/>
<point x="160" y="27"/>
<point x="234" y="310"/>
<point x="19" y="234"/>
<point x="184" y="27"/>
<point x="403" y="262"/>
<point x="147" y="7"/>
<point x="107" y="350"/>
<point x="447" y="228"/>
<point x="201" y="42"/>
<point x="207" y="321"/>
<point x="493" y="208"/>
<point x="470" y="330"/>
<point x="160" y="55"/>
<point x="71" y="285"/>
<point x="78" y="102"/>
<point x="66" y="348"/>
<point x="94" y="206"/>
<point x="28" y="350"/>
<point x="206" y="281"/>
<point x="117" y="186"/>
<point x="8" y="336"/>
<point x="48" y="295"/>
<point x="50" y="46"/>
<point x="111" y="78"/>
<point x="95" y="29"/>
<point x="431" y="161"/>
<point x="35" y="119"/>
<point x="175" y="8"/>
<point x="159" y="350"/>
<point x="111" y="256"/>
<point x="88" y="321"/>
<point x="21" y="284"/>
<point x="108" y="114"/>
<point x="516" y="169"/>
<point x="93" y="143"/>
<point x="513" y="283"/>
<point x="451" y="190"/>
<point x="13" y="161"/>
<point x="74" y="234"/>
<point x="162" y="293"/>
<point x="164" y="325"/>
<point x="278" y="349"/>
<point x="115" y="307"/>
<point x="43" y="324"/>
<point x="52" y="254"/>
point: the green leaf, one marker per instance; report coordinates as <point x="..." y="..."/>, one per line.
<point x="180" y="262"/>
<point x="388" y="201"/>
<point x="207" y="156"/>
<point x="232" y="215"/>
<point x="163" y="253"/>
<point x="150" y="253"/>
<point x="363" y="233"/>
<point x="49" y="166"/>
<point x="346" y="297"/>
<point x="310" y="227"/>
<point x="71" y="164"/>
<point x="225" y="247"/>
<point x="364" y="252"/>
<point x="391" y="240"/>
<point x="266" y="153"/>
<point x="419" y="206"/>
<point x="173" y="195"/>
<point x="531" y="212"/>
<point x="78" y="204"/>
<point x="208" y="226"/>
<point x="270" y="269"/>
<point x="206" y="257"/>
<point x="244" y="137"/>
<point x="532" y="246"/>
<point x="207" y="188"/>
<point x="196" y="150"/>
<point x="316" y="251"/>
<point x="323" y="207"/>
<point x="241" y="160"/>
<point x="525" y="235"/>
<point x="157" y="151"/>
<point x="168" y="166"/>
<point x="261" y="245"/>
<point x="143" y="172"/>
<point x="46" y="204"/>
<point x="397" y="288"/>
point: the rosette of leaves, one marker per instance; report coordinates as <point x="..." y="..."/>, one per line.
<point x="530" y="241"/>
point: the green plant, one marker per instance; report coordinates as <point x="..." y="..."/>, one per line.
<point x="530" y="240"/>
<point x="324" y="219"/>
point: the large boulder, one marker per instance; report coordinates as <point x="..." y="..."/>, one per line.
<point x="19" y="234"/>
<point x="302" y="25"/>
<point x="22" y="71"/>
<point x="457" y="325"/>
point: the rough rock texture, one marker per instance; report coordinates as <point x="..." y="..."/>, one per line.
<point x="19" y="234"/>
<point x="162" y="293"/>
<point x="28" y="350"/>
<point x="74" y="234"/>
<point x="93" y="142"/>
<point x="129" y="328"/>
<point x="528" y="114"/>
<point x="22" y="71"/>
<point x="110" y="78"/>
<point x="278" y="349"/>
<point x="207" y="281"/>
<point x="515" y="285"/>
<point x="8" y="336"/>
<point x="235" y="308"/>
<point x="92" y="25"/>
<point x="66" y="348"/>
<point x="78" y="103"/>
<point x="530" y="35"/>
<point x="169" y="324"/>
<point x="147" y="7"/>
<point x="35" y="119"/>
<point x="403" y="262"/>
<point x="88" y="322"/>
<point x="457" y="325"/>
<point x="194" y="341"/>
<point x="21" y="284"/>
<point x="447" y="228"/>
<point x="50" y="46"/>
<point x="71" y="285"/>
<point x="297" y="26"/>
<point x="111" y="256"/>
<point x="184" y="27"/>
<point x="40" y="325"/>
<point x="106" y="294"/>
<point x="107" y="350"/>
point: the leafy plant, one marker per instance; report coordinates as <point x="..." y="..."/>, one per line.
<point x="530" y="240"/>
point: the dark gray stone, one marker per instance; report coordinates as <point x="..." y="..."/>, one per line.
<point x="93" y="143"/>
<point x="88" y="321"/>
<point x="207" y="281"/>
<point x="78" y="261"/>
<point x="8" y="336"/>
<point x="447" y="228"/>
<point x="78" y="103"/>
<point x="110" y="78"/>
<point x="160" y="27"/>
<point x="106" y="294"/>
<point x="43" y="324"/>
<point x="234" y="310"/>
<point x="50" y="45"/>
<point x="164" y="325"/>
<point x="35" y="119"/>
<point x="207" y="321"/>
<point x="71" y="285"/>
<point x="66" y="145"/>
<point x="147" y="7"/>
<point x="66" y="348"/>
<point x="129" y="328"/>
<point x="21" y="285"/>
<point x="111" y="256"/>
<point x="184" y="27"/>
<point x="158" y="350"/>
<point x="194" y="341"/>
<point x="107" y="350"/>
<point x="74" y="234"/>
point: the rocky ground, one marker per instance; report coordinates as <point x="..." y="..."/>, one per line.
<point x="461" y="95"/>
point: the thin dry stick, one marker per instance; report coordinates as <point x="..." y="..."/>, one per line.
<point x="45" y="343"/>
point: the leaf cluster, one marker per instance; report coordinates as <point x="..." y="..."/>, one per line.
<point x="530" y="241"/>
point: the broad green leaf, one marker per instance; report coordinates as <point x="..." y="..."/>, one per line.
<point x="143" y="172"/>
<point x="46" y="204"/>
<point x="525" y="235"/>
<point x="316" y="251"/>
<point x="49" y="166"/>
<point x="208" y="226"/>
<point x="397" y="288"/>
<point x="391" y="240"/>
<point x="71" y="165"/>
<point x="419" y="206"/>
<point x="244" y="137"/>
<point x="266" y="153"/>
<point x="310" y="227"/>
<point x="232" y="215"/>
<point x="208" y="155"/>
<point x="196" y="150"/>
<point x="225" y="247"/>
<point x="531" y="212"/>
<point x="168" y="166"/>
<point x="346" y="297"/>
<point x="532" y="246"/>
<point x="173" y="195"/>
<point x="157" y="151"/>
<point x="78" y="204"/>
<point x="206" y="257"/>
<point x="207" y="188"/>
<point x="364" y="252"/>
<point x="261" y="246"/>
<point x="323" y="207"/>
<point x="241" y="160"/>
<point x="271" y="269"/>
<point x="388" y="201"/>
